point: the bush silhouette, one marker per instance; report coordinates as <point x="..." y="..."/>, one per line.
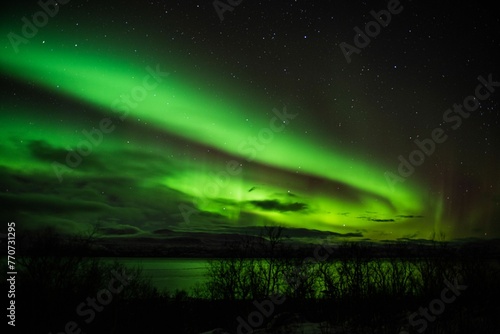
<point x="56" y="274"/>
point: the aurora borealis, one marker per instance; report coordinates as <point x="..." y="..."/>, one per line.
<point x="160" y="116"/>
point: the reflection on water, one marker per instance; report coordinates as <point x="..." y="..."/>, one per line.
<point x="185" y="273"/>
<point x="170" y="273"/>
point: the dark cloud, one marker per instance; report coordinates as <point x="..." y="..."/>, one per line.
<point x="209" y="214"/>
<point x="307" y="183"/>
<point x="381" y="220"/>
<point x="38" y="203"/>
<point x="43" y="151"/>
<point x="295" y="232"/>
<point x="38" y="199"/>
<point x="307" y="233"/>
<point x="275" y="205"/>
<point x="410" y="236"/>
<point x="120" y="230"/>
<point x="164" y="231"/>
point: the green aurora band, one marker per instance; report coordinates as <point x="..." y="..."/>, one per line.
<point x="179" y="108"/>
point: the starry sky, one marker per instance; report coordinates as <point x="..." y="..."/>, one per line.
<point x="200" y="116"/>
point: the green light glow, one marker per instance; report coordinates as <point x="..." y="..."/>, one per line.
<point x="179" y="108"/>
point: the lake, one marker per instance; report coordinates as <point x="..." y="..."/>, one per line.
<point x="185" y="273"/>
<point x="170" y="273"/>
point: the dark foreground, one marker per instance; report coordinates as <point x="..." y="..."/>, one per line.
<point x="435" y="288"/>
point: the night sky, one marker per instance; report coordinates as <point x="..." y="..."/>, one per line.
<point x="145" y="116"/>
